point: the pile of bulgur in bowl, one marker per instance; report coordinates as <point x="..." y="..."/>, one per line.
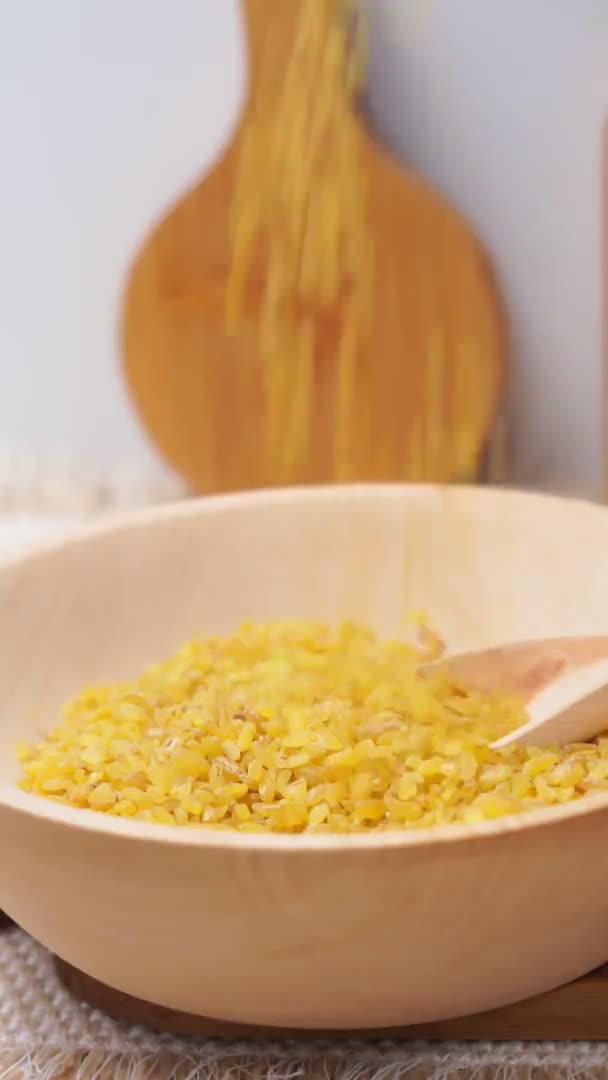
<point x="300" y="726"/>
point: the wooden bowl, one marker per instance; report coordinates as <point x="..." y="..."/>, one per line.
<point x="312" y="932"/>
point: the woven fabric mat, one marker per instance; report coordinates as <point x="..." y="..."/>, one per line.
<point x="46" y="1035"/>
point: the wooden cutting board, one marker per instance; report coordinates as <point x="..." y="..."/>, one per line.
<point x="435" y="346"/>
<point x="578" y="1011"/>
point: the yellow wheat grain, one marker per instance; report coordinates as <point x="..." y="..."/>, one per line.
<point x="301" y="727"/>
<point x="300" y="198"/>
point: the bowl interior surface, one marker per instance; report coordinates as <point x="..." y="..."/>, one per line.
<point x="487" y="567"/>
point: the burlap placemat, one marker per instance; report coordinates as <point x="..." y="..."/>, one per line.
<point x="46" y="1035"/>
<point x="58" y="482"/>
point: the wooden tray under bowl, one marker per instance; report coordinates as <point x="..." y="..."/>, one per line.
<point x="577" y="1011"/>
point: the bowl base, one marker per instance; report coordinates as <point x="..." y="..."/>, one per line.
<point x="577" y="1011"/>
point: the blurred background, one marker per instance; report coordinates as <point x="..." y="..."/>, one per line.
<point x="111" y="110"/>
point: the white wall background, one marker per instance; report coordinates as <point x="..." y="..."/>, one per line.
<point x="110" y="107"/>
<point x="501" y="102"/>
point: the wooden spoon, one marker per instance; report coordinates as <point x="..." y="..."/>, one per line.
<point x="436" y="348"/>
<point x="564" y="682"/>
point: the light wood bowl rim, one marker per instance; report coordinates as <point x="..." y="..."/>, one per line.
<point x="126" y="830"/>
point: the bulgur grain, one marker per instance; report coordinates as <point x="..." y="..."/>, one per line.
<point x="300" y="727"/>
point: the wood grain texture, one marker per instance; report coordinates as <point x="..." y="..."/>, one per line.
<point x="199" y="391"/>
<point x="306" y="932"/>
<point x="577" y="1011"/>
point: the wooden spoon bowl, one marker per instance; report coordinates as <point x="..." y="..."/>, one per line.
<point x="313" y="932"/>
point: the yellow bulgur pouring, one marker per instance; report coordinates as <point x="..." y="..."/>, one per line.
<point x="298" y="726"/>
